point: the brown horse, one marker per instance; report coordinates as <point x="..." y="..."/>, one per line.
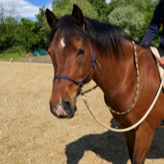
<point x="77" y="45"/>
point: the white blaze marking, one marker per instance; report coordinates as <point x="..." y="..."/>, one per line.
<point x="62" y="42"/>
<point x="60" y="110"/>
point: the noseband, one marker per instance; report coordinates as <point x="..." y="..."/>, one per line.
<point x="80" y="83"/>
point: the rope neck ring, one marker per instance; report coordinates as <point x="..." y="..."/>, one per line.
<point x="137" y="87"/>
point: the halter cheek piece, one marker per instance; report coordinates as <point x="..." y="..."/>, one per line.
<point x="80" y="83"/>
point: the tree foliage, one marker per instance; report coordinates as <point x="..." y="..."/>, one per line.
<point x="144" y="7"/>
<point x="101" y="7"/>
<point x="28" y="34"/>
<point x="42" y="28"/>
<point x="25" y="33"/>
<point x="128" y="18"/>
<point x="133" y="16"/>
<point x="85" y="6"/>
<point x="8" y="27"/>
<point x="60" y="4"/>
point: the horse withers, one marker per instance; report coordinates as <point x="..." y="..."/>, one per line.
<point x="78" y="47"/>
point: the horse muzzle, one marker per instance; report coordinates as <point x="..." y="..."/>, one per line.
<point x="63" y="109"/>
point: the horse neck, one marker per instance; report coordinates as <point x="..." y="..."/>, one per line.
<point x="119" y="76"/>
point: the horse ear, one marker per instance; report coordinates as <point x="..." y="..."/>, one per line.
<point x="77" y="15"/>
<point x="51" y="18"/>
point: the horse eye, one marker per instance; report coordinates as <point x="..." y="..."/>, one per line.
<point x="81" y="52"/>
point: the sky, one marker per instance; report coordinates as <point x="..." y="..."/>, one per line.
<point x="27" y="8"/>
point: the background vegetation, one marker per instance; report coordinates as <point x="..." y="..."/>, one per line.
<point x="17" y="34"/>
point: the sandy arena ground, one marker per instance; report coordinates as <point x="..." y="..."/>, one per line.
<point x="30" y="134"/>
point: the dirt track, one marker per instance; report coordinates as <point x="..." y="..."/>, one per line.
<point x="30" y="134"/>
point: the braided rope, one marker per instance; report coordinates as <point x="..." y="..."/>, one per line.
<point x="84" y="98"/>
<point x="137" y="87"/>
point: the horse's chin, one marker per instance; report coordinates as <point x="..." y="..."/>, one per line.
<point x="71" y="116"/>
<point x="73" y="113"/>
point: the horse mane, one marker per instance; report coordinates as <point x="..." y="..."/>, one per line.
<point x="104" y="34"/>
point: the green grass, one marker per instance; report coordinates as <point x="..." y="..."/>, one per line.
<point x="8" y="56"/>
<point x="17" y="57"/>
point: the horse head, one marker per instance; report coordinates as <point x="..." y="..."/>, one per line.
<point x="70" y="53"/>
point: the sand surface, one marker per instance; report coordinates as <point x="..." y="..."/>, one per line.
<point x="30" y="134"/>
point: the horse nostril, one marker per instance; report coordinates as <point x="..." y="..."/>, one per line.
<point x="67" y="106"/>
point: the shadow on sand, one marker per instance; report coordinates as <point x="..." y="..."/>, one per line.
<point x="111" y="147"/>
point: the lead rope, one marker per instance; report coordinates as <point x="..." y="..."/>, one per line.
<point x="84" y="98"/>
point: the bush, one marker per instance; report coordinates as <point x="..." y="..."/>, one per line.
<point x="14" y="49"/>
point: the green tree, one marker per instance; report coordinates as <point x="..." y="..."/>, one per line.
<point x="141" y="5"/>
<point x="85" y="6"/>
<point x="2" y="14"/>
<point x="10" y="31"/>
<point x="146" y="7"/>
<point x="2" y="26"/>
<point x="26" y="33"/>
<point x="101" y="7"/>
<point x="8" y="27"/>
<point x="60" y="4"/>
<point x="42" y="28"/>
<point x="114" y="4"/>
<point x="29" y="38"/>
<point x="128" y="18"/>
